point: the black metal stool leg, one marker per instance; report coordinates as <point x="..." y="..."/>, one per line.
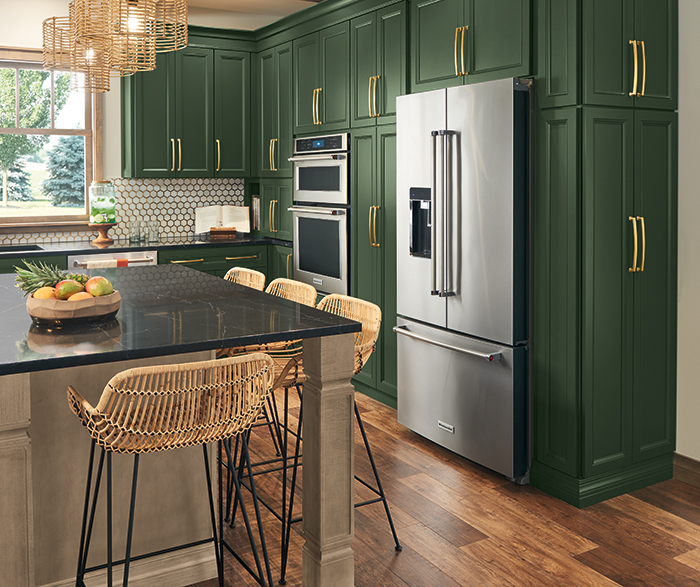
<point x="86" y="508"/>
<point x="110" y="570"/>
<point x="130" y="531"/>
<point x="215" y="532"/>
<point x="380" y="489"/>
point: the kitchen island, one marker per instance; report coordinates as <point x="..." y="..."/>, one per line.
<point x="168" y="314"/>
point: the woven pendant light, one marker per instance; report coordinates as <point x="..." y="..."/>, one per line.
<point x="171" y="25"/>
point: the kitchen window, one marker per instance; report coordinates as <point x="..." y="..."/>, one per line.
<point x="47" y="148"/>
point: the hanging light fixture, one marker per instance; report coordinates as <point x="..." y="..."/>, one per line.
<point x="171" y="25"/>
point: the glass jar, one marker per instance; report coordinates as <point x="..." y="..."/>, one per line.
<point x="102" y="202"/>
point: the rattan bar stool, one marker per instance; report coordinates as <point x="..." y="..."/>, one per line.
<point x="247" y="277"/>
<point x="289" y="373"/>
<point x="151" y="409"/>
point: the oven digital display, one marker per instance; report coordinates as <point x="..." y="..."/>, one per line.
<point x="319" y="144"/>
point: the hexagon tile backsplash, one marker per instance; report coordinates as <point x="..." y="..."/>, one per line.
<point x="170" y="201"/>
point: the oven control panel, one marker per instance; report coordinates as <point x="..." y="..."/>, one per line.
<point x="324" y="144"/>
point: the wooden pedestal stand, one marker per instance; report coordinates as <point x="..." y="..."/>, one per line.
<point x="103" y="239"/>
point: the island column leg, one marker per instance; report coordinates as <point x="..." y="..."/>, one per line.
<point x="16" y="501"/>
<point x="329" y="448"/>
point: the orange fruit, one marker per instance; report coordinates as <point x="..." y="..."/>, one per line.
<point x="44" y="293"/>
<point x="81" y="295"/>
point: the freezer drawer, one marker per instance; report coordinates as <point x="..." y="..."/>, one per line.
<point x="464" y="394"/>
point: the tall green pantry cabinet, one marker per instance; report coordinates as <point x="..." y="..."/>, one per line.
<point x="605" y="252"/>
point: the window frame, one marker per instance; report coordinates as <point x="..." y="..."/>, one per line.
<point x="13" y="57"/>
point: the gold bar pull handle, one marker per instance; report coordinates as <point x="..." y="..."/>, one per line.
<point x="274" y="209"/>
<point x="369" y="226"/>
<point x="188" y="261"/>
<point x="243" y="257"/>
<point x="218" y="155"/>
<point x="457" y="71"/>
<point x="179" y="152"/>
<point x="464" y="34"/>
<point x="374" y="96"/>
<point x="269" y="213"/>
<point x="369" y="96"/>
<point x="374" y="226"/>
<point x="273" y="167"/>
<point x="269" y="154"/>
<point x="313" y="106"/>
<point x="644" y="68"/>
<point x="634" y="259"/>
<point x="318" y="109"/>
<point x="636" y="69"/>
<point x="644" y="243"/>
<point x="288" y="258"/>
<point x="172" y="144"/>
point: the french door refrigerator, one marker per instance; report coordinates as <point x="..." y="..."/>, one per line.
<point x="462" y="286"/>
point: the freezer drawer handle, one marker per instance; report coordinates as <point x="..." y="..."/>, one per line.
<point x="490" y="357"/>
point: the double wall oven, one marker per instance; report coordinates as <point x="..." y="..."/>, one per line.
<point x="321" y="212"/>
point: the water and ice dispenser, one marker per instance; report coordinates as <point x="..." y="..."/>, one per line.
<point x="421" y="222"/>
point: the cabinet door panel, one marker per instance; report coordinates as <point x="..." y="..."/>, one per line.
<point x="655" y="286"/>
<point x="608" y="62"/>
<point x="283" y="147"/>
<point x="608" y="289"/>
<point x="232" y="114"/>
<point x="363" y="31"/>
<point x="266" y="104"/>
<point x="334" y="101"/>
<point x="656" y="23"/>
<point x="267" y="195"/>
<point x="306" y="80"/>
<point x="194" y="112"/>
<point x="284" y="223"/>
<point x="558" y="42"/>
<point x="499" y="39"/>
<point x="391" y="60"/>
<point x="433" y="57"/>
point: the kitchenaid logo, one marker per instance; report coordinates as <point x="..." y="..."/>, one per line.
<point x="444" y="426"/>
<point x="317" y="281"/>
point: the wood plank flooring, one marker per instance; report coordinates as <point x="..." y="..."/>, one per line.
<point x="461" y="524"/>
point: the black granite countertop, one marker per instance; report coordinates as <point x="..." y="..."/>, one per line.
<point x="123" y="245"/>
<point x="165" y="309"/>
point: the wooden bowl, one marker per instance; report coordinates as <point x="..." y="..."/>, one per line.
<point x="62" y="312"/>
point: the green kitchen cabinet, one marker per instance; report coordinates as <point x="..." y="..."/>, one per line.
<point x="605" y="319"/>
<point x="322" y="80"/>
<point x="378" y="67"/>
<point x="373" y="242"/>
<point x="463" y="41"/>
<point x="281" y="263"/>
<point x="275" y="201"/>
<point x="232" y="113"/>
<point x="8" y="264"/>
<point x="273" y="111"/>
<point x="217" y="260"/>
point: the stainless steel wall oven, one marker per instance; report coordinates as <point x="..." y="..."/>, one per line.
<point x="321" y="212"/>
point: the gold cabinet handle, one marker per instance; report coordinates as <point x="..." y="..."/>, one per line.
<point x="274" y="210"/>
<point x="269" y="155"/>
<point x="636" y="69"/>
<point x="313" y="106"/>
<point x="318" y="109"/>
<point x="288" y="258"/>
<point x="457" y="71"/>
<point x="644" y="243"/>
<point x="243" y="257"/>
<point x="269" y="213"/>
<point x="369" y="226"/>
<point x="188" y="261"/>
<point x="374" y="95"/>
<point x="634" y="260"/>
<point x="644" y="69"/>
<point x="273" y="167"/>
<point x="369" y="96"/>
<point x="179" y="151"/>
<point x="374" y="226"/>
<point x="218" y="155"/>
<point x="172" y="144"/>
<point x="464" y="34"/>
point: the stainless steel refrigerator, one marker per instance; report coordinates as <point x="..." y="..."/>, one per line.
<point x="462" y="279"/>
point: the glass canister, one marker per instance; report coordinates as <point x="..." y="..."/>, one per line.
<point x="102" y="202"/>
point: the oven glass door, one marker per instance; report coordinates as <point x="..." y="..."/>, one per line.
<point x="320" y="249"/>
<point x="321" y="179"/>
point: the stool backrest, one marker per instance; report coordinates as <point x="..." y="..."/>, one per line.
<point x="296" y="291"/>
<point x="367" y="313"/>
<point x="150" y="409"/>
<point x="247" y="277"/>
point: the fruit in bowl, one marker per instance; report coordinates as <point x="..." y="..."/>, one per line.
<point x="67" y="287"/>
<point x="98" y="286"/>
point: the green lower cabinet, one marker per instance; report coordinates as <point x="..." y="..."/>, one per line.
<point x="8" y="264"/>
<point x="605" y="276"/>
<point x="280" y="263"/>
<point x="217" y="260"/>
<point x="373" y="259"/>
<point x="275" y="200"/>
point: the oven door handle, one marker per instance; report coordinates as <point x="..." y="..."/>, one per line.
<point x="319" y="211"/>
<point x="316" y="158"/>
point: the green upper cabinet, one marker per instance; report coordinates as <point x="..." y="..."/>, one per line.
<point x="173" y="116"/>
<point x="378" y="67"/>
<point x="463" y="41"/>
<point x="322" y="80"/>
<point x="630" y="53"/>
<point x="232" y="113"/>
<point x="275" y="201"/>
<point x="273" y="111"/>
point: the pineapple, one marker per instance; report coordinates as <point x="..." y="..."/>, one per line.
<point x="42" y="275"/>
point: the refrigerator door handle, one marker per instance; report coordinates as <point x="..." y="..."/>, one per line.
<point x="446" y="213"/>
<point x="490" y="357"/>
<point x="433" y="212"/>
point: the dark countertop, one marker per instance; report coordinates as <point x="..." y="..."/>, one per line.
<point x="165" y="309"/>
<point x="123" y="245"/>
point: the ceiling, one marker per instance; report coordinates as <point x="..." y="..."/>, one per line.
<point x="242" y="14"/>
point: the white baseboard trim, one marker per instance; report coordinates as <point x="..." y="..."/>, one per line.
<point x="174" y="569"/>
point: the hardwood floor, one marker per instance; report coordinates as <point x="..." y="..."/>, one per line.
<point x="461" y="524"/>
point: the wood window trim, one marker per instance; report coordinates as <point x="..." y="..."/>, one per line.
<point x="93" y="160"/>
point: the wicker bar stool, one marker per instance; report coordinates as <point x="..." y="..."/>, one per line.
<point x="151" y="409"/>
<point x="289" y="373"/>
<point x="247" y="277"/>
